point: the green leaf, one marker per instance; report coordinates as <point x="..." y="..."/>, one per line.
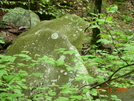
<point x="115" y="98"/>
<point x="65" y="86"/>
<point x="1" y="41"/>
<point x="38" y="74"/>
<point x="93" y="92"/>
<point x="69" y="68"/>
<point x="101" y="21"/>
<point x="76" y="97"/>
<point x="104" y="41"/>
<point x="7" y="58"/>
<point x="18" y="91"/>
<point x="21" y="64"/>
<point x="48" y="98"/>
<point x="3" y="72"/>
<point x="112" y="9"/>
<point x="51" y="93"/>
<point x="47" y="59"/>
<point x="62" y="99"/>
<point x="109" y="18"/>
<point x="60" y="50"/>
<point x="23" y="73"/>
<point x="129" y="47"/>
<point x="98" y="60"/>
<point x="8" y="77"/>
<point x="69" y="52"/>
<point x="60" y="62"/>
<point x="66" y="91"/>
<point x="100" y="79"/>
<point x="25" y="56"/>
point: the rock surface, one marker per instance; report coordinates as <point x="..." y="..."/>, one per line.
<point x="58" y="69"/>
<point x="21" y="17"/>
<point x="70" y="25"/>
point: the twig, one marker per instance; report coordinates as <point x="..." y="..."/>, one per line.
<point x="109" y="78"/>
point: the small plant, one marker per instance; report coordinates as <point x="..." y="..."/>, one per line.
<point x="114" y="59"/>
<point x="12" y="83"/>
<point x="125" y="18"/>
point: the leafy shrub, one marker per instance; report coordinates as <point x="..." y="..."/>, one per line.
<point x="11" y="83"/>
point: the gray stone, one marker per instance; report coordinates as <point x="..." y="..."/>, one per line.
<point x="21" y="17"/>
<point x="43" y="39"/>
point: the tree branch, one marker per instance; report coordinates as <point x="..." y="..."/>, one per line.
<point x="109" y="78"/>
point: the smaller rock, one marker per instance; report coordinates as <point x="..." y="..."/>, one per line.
<point x="21" y="17"/>
<point x="3" y="37"/>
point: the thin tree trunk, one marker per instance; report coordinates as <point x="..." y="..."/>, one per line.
<point x="132" y="1"/>
<point x="96" y="31"/>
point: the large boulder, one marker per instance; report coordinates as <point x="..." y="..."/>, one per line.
<point x="21" y="17"/>
<point x="70" y="25"/>
<point x="43" y="39"/>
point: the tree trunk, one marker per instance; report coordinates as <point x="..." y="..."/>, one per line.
<point x="96" y="31"/>
<point x="132" y="2"/>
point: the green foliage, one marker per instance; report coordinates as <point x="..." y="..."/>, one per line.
<point x="115" y="98"/>
<point x="11" y="83"/>
<point x="115" y="59"/>
<point x="112" y="9"/>
<point x="1" y="41"/>
<point x="55" y="8"/>
<point x="125" y="18"/>
<point x="113" y="63"/>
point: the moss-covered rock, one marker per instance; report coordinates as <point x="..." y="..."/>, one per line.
<point x="21" y="17"/>
<point x="70" y="25"/>
<point x="58" y="69"/>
